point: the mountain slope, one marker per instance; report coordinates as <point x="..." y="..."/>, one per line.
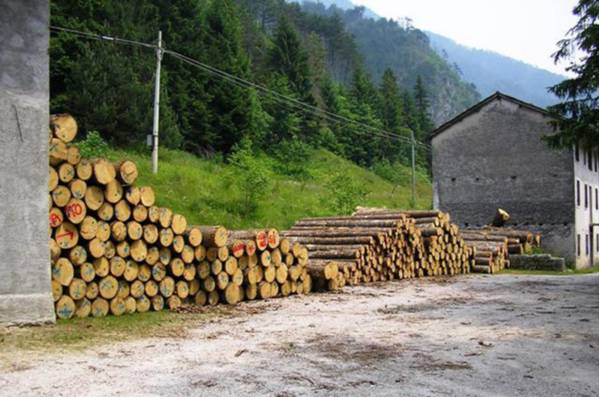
<point x="491" y="72"/>
<point x="383" y="43"/>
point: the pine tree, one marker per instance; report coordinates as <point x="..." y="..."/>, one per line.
<point x="425" y="125"/>
<point x="230" y="105"/>
<point x="288" y="58"/>
<point x="577" y="115"/>
<point x="390" y="111"/>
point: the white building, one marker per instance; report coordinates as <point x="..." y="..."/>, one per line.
<point x="586" y="207"/>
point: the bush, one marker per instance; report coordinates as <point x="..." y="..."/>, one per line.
<point x="253" y="179"/>
<point x="93" y="146"/>
<point x="292" y="156"/>
<point x="346" y="193"/>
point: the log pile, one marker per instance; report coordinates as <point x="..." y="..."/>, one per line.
<point x="444" y="250"/>
<point x="491" y="252"/>
<point x="378" y="244"/>
<point x="114" y="251"/>
<point x="495" y="244"/>
<point x="248" y="265"/>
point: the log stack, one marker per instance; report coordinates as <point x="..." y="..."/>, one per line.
<point x="378" y="244"/>
<point x="495" y="244"/>
<point x="114" y="251"/>
<point x="250" y="264"/>
<point x="491" y="252"/>
<point x="444" y="251"/>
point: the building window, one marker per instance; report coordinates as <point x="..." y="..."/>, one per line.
<point x="596" y="192"/>
<point x="590" y="160"/>
<point x="596" y="161"/>
<point x="585" y="195"/>
<point x="587" y="245"/>
<point x="597" y="249"/>
<point x="578" y="194"/>
<point x="576" y="152"/>
<point x="578" y="245"/>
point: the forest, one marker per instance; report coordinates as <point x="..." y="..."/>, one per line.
<point x="302" y="53"/>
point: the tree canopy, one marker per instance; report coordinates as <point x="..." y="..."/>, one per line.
<point x="577" y="114"/>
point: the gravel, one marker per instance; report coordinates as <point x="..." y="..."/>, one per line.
<point x="473" y="335"/>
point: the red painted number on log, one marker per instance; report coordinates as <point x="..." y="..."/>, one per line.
<point x="74" y="210"/>
<point x="65" y="234"/>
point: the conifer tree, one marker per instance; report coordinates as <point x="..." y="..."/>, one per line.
<point x="577" y="114"/>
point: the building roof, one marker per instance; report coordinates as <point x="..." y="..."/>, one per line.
<point x="475" y="108"/>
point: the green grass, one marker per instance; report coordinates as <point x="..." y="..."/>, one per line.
<point x="82" y="333"/>
<point x="206" y="191"/>
<point x="569" y="272"/>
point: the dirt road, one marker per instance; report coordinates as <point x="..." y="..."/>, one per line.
<point x="466" y="336"/>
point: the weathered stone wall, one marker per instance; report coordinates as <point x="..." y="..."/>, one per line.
<point x="25" y="294"/>
<point x="496" y="158"/>
<point x="538" y="262"/>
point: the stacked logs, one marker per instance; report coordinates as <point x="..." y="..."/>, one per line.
<point x="272" y="266"/>
<point x="112" y="250"/>
<point x="491" y="252"/>
<point x="495" y="244"/>
<point x="444" y="251"/>
<point x="378" y="245"/>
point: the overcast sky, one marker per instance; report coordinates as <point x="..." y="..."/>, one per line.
<point x="523" y="29"/>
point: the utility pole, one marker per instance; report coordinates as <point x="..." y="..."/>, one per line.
<point x="414" y="182"/>
<point x="159" y="55"/>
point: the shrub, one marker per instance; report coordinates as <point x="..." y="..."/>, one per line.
<point x="254" y="179"/>
<point x="292" y="155"/>
<point x="346" y="193"/>
<point x="93" y="146"/>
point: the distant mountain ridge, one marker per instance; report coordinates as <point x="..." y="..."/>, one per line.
<point x="491" y="72"/>
<point x="384" y="43"/>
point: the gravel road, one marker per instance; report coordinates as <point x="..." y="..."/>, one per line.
<point x="506" y="335"/>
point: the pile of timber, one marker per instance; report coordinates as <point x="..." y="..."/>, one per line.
<point x="114" y="251"/>
<point x="379" y="244"/>
<point x="495" y="244"/>
<point x="491" y="252"/>
<point x="250" y="264"/>
<point x="444" y="251"/>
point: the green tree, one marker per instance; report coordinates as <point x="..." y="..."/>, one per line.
<point x="577" y="116"/>
<point x="391" y="112"/>
<point x="423" y="110"/>
<point x="230" y="105"/>
<point x="288" y="57"/>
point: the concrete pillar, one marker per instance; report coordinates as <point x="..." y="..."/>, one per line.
<point x="25" y="293"/>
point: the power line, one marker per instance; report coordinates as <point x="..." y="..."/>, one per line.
<point x="303" y="106"/>
<point x="307" y="108"/>
<point x="94" y="36"/>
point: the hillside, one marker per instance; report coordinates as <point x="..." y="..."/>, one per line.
<point x="208" y="191"/>
<point x="492" y="72"/>
<point x="383" y="43"/>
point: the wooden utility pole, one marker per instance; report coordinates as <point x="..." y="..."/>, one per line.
<point x="159" y="54"/>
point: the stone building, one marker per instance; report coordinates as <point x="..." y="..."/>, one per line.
<point x="492" y="156"/>
<point x="25" y="294"/>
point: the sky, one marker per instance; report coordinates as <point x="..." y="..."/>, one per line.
<point x="526" y="30"/>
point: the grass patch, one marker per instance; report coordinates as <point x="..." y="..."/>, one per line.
<point x="568" y="272"/>
<point x="79" y="334"/>
<point x="207" y="191"/>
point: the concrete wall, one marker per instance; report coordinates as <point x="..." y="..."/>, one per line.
<point x="25" y="294"/>
<point x="586" y="211"/>
<point x="495" y="158"/>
